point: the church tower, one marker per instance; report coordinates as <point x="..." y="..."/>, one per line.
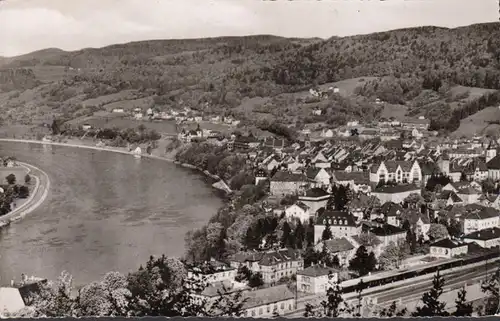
<point x="491" y="151"/>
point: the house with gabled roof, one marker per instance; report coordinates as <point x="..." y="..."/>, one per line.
<point x="447" y="198"/>
<point x="469" y="194"/>
<point x="397" y="171"/>
<point x="299" y="211"/>
<point x="319" y="175"/>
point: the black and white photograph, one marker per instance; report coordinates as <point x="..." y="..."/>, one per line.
<point x="249" y="158"/>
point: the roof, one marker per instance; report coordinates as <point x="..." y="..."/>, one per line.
<point x="397" y="189"/>
<point x="302" y="205"/>
<point x="392" y="166"/>
<point x="266" y="296"/>
<point x="449" y="244"/>
<point x="386" y="230"/>
<point x="335" y="218"/>
<point x="284" y="176"/>
<point x="338" y="245"/>
<point x="357" y="177"/>
<point x="10" y="300"/>
<point x="267" y="258"/>
<point x="315" y="193"/>
<point x="391" y="209"/>
<point x="484" y="235"/>
<point x="446" y="194"/>
<point x="494" y="163"/>
<point x="484" y="213"/>
<point x="317" y="270"/>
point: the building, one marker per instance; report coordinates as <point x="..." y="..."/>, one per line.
<point x="395" y="194"/>
<point x="319" y="175"/>
<point x="447" y="248"/>
<point x="396" y="171"/>
<point x="316" y="279"/>
<point x="487" y="238"/>
<point x="341" y="224"/>
<point x="286" y="183"/>
<point x="10" y="300"/>
<point x="273" y="265"/>
<point x="268" y="302"/>
<point x="212" y="271"/>
<point x="389" y="233"/>
<point x="340" y="247"/>
<point x="314" y="198"/>
<point x="480" y="219"/>
<point x="299" y="211"/>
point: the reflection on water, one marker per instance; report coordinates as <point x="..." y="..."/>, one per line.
<point x="105" y="212"/>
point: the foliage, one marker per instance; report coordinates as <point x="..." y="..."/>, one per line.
<point x="11" y="179"/>
<point x="437" y="231"/>
<point x="327" y="232"/>
<point x="392" y="311"/>
<point x="393" y="255"/>
<point x="491" y="287"/>
<point x="463" y="308"/>
<point x="362" y="261"/>
<point x="27" y="179"/>
<point x="431" y="304"/>
<point x="255" y="280"/>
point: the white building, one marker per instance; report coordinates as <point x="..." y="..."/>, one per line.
<point x="397" y="171"/>
<point x="341" y="224"/>
<point x="316" y="279"/>
<point x="477" y="220"/>
<point x="487" y="238"/>
<point x="447" y="248"/>
<point x="298" y="211"/>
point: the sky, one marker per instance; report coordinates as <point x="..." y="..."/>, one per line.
<point x="29" y="25"/>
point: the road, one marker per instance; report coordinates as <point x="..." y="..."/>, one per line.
<point x="37" y="197"/>
<point x="410" y="292"/>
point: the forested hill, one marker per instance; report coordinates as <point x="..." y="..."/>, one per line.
<point x="224" y="71"/>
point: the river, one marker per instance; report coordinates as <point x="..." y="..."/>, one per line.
<point x="105" y="212"/>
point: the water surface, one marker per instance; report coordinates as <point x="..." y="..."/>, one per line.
<point x="105" y="212"/>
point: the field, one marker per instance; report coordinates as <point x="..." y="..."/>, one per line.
<point x="396" y="111"/>
<point x="471" y="93"/>
<point x="479" y="123"/>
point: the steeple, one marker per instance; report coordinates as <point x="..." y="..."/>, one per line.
<point x="491" y="151"/>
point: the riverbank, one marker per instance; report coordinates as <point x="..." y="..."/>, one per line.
<point x="219" y="185"/>
<point x="37" y="196"/>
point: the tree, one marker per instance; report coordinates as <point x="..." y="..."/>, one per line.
<point x="24" y="192"/>
<point x="432" y="307"/>
<point x="332" y="306"/>
<point x="393" y="255"/>
<point x="287" y="239"/>
<point x="463" y="177"/>
<point x="256" y="280"/>
<point x="437" y="231"/>
<point x="463" y="308"/>
<point x="362" y="261"/>
<point x="327" y="232"/>
<point x="392" y="311"/>
<point x="341" y="198"/>
<point x="27" y="179"/>
<point x="414" y="199"/>
<point x="368" y="239"/>
<point x="300" y="235"/>
<point x="11" y="179"/>
<point x="491" y="287"/>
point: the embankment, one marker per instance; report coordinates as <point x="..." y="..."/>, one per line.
<point x="37" y="196"/>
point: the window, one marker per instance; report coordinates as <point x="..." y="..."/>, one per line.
<point x="253" y="313"/>
<point x="268" y="308"/>
<point x="335" y="222"/>
<point x="282" y="305"/>
<point x="260" y="311"/>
